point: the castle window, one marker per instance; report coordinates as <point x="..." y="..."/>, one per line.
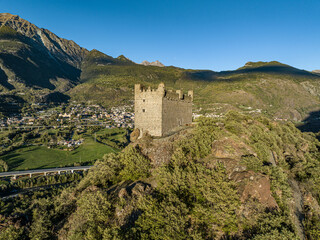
<point x="143" y="100"/>
<point x="143" y="110"/>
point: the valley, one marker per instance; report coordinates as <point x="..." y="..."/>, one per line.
<point x="246" y="167"/>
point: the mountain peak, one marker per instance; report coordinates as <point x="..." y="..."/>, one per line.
<point x="261" y="64"/>
<point x="124" y="58"/>
<point x="7" y="15"/>
<point x="155" y="63"/>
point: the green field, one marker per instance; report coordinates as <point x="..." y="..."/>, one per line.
<point x="33" y="157"/>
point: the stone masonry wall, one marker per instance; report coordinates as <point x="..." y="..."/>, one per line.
<point x="175" y="113"/>
<point x="148" y="111"/>
<point x="159" y="111"/>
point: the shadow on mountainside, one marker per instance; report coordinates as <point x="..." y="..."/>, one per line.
<point x="311" y="123"/>
<point x="32" y="64"/>
<point x="10" y="103"/>
<point x="4" y="80"/>
<point x="55" y="97"/>
<point x="287" y="70"/>
<point x="206" y="75"/>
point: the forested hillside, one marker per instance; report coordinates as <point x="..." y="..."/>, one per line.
<point x="272" y="88"/>
<point x="239" y="177"/>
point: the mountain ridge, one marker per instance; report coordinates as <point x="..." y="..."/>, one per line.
<point x="63" y="49"/>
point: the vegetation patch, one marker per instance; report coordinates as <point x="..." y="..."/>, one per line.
<point x="258" y="187"/>
<point x="35" y="150"/>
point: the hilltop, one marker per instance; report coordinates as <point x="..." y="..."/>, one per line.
<point x="239" y="177"/>
<point x="249" y="65"/>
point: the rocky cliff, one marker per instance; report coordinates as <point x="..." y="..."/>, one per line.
<point x="155" y="63"/>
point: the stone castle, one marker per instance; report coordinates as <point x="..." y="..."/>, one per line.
<point x="159" y="111"/>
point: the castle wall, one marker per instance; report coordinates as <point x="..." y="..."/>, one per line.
<point x="159" y="111"/>
<point x="175" y="113"/>
<point x="148" y="112"/>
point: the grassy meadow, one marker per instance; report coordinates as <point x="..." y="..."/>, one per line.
<point x="40" y="156"/>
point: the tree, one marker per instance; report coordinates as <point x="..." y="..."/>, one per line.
<point x="136" y="166"/>
<point x="11" y="233"/>
<point x="3" y="166"/>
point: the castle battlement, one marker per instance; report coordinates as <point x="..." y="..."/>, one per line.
<point x="161" y="91"/>
<point x="158" y="111"/>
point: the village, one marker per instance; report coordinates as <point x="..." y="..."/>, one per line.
<point x="74" y="114"/>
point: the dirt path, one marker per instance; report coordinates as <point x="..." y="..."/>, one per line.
<point x="297" y="208"/>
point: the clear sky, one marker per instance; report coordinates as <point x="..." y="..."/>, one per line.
<point x="216" y="34"/>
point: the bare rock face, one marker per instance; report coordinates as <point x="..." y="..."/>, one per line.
<point x="255" y="186"/>
<point x="134" y="135"/>
<point x="155" y="63"/>
<point x="145" y="63"/>
<point x="64" y="50"/>
<point x="140" y="189"/>
<point x="230" y="148"/>
<point x="252" y="186"/>
<point x="123" y="193"/>
<point x="131" y="193"/>
<point x="159" y="151"/>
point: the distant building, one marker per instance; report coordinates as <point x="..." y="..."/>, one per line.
<point x="158" y="111"/>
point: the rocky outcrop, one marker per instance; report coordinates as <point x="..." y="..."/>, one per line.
<point x="227" y="151"/>
<point x="255" y="186"/>
<point x="134" y="135"/>
<point x="160" y="150"/>
<point x="155" y="63"/>
<point x="230" y="148"/>
<point x="251" y="185"/>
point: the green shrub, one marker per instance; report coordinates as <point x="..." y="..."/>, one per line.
<point x="135" y="165"/>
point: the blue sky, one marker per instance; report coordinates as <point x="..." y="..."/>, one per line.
<point x="216" y="34"/>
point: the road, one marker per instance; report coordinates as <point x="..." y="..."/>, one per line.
<point x="52" y="126"/>
<point x="15" y="174"/>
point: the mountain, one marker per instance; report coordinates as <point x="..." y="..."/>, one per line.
<point x="155" y="63"/>
<point x="62" y="49"/>
<point x="33" y="61"/>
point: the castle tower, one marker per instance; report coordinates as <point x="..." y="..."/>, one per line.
<point x="158" y="111"/>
